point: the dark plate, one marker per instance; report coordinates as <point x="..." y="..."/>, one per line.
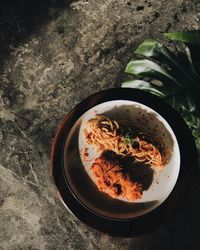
<point x="176" y="199"/>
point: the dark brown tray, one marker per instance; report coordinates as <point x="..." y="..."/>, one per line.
<point x="176" y="199"/>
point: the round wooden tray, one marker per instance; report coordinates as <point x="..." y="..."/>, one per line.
<point x="176" y="199"/>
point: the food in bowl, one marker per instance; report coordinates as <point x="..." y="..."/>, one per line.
<point x="123" y="140"/>
<point x="114" y="178"/>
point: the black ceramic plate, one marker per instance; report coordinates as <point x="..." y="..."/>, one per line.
<point x="124" y="226"/>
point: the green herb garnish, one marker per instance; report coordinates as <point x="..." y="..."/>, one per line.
<point x="128" y="139"/>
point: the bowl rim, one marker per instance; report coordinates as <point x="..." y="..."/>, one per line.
<point x="177" y="125"/>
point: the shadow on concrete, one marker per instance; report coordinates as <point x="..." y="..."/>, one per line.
<point x="21" y="18"/>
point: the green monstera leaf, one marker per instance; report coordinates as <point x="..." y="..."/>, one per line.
<point x="172" y="74"/>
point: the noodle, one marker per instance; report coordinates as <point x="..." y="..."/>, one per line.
<point x="106" y="134"/>
<point x="111" y="180"/>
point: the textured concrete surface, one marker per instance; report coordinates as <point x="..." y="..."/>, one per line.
<point x="52" y="55"/>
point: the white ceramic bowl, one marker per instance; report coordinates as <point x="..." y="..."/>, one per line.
<point x="148" y="120"/>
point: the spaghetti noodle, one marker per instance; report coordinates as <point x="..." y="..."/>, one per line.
<point x="123" y="139"/>
<point x="112" y="179"/>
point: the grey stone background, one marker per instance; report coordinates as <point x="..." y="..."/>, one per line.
<point x="52" y="55"/>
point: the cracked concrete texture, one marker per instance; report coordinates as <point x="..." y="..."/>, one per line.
<point x="54" y="54"/>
